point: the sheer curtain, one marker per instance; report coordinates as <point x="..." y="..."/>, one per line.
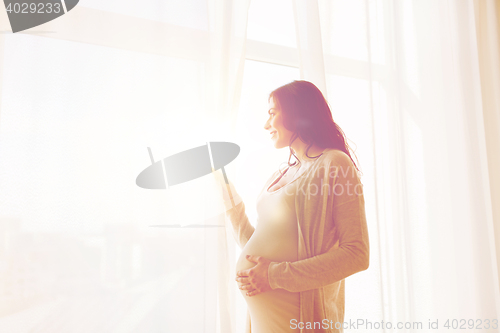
<point x="487" y="18"/>
<point x="82" y="248"/>
<point x="432" y="184"/>
<point x="412" y="83"/>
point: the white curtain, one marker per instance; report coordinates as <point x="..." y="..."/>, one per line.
<point x="487" y="14"/>
<point x="82" y="248"/>
<point x="421" y="105"/>
<point x="413" y="83"/>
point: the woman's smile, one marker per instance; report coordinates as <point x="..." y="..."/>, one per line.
<point x="278" y="132"/>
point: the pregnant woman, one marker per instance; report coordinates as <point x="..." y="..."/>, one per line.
<point x="311" y="230"/>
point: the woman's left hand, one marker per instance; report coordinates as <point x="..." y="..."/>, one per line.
<point x="255" y="280"/>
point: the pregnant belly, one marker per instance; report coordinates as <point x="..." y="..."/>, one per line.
<point x="271" y="244"/>
<point x="270" y="311"/>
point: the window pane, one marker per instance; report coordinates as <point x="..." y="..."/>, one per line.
<point x="272" y="22"/>
<point x="73" y="138"/>
<point x="343" y="26"/>
<point x="185" y="13"/>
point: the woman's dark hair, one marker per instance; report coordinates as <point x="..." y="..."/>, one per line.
<point x="307" y="114"/>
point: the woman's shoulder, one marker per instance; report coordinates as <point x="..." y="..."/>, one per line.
<point x="336" y="157"/>
<point x="336" y="162"/>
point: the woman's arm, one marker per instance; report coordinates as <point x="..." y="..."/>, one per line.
<point x="242" y="229"/>
<point x="350" y="257"/>
<point x="344" y="210"/>
<point x="235" y="210"/>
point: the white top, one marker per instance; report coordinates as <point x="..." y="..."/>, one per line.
<point x="275" y="238"/>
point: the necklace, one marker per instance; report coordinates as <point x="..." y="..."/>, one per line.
<point x="301" y="167"/>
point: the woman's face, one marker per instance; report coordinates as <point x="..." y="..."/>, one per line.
<point x="274" y="125"/>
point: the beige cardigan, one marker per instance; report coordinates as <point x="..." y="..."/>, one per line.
<point x="333" y="240"/>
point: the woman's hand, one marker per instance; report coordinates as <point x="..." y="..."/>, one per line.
<point x="255" y="280"/>
<point x="229" y="195"/>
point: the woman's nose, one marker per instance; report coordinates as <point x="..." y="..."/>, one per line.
<point x="266" y="125"/>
